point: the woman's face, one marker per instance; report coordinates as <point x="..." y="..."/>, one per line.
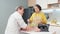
<point x="36" y="9"/>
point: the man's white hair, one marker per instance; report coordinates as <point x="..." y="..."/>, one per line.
<point x="20" y="7"/>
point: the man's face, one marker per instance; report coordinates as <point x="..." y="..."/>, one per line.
<point x="21" y="11"/>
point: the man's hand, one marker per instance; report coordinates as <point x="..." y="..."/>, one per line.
<point x="36" y="29"/>
<point x="29" y="28"/>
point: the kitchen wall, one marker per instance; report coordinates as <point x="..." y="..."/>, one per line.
<point x="7" y="7"/>
<point x="55" y="14"/>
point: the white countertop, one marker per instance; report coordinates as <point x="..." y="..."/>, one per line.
<point x="52" y="29"/>
<point x="55" y="27"/>
<point x="38" y="32"/>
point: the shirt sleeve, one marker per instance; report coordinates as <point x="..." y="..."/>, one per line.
<point x="31" y="18"/>
<point x="21" y="22"/>
<point x="44" y="20"/>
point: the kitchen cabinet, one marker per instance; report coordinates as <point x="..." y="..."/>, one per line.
<point x="31" y="2"/>
<point x="52" y="1"/>
<point x="54" y="5"/>
<point x="44" y="3"/>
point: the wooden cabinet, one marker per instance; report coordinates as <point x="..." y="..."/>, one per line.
<point x="31" y="2"/>
<point x="54" y="5"/>
<point x="44" y="4"/>
<point x="52" y="1"/>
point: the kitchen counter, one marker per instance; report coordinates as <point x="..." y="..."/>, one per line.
<point x="53" y="29"/>
<point x="38" y="32"/>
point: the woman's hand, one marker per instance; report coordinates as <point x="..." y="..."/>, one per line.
<point x="29" y="28"/>
<point x="36" y="29"/>
<point x="28" y="20"/>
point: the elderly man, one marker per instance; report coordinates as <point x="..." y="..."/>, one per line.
<point x="16" y="22"/>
